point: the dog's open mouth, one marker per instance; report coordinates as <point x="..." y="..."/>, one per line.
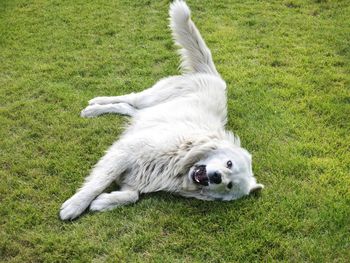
<point x="199" y="175"/>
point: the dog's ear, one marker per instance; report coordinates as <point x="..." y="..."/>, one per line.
<point x="195" y="154"/>
<point x="256" y="188"/>
<point x="233" y="138"/>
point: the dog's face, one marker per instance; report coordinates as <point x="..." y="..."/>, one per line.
<point x="225" y="174"/>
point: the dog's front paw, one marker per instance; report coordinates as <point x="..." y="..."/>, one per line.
<point x="73" y="208"/>
<point x="101" y="203"/>
<point x="90" y="111"/>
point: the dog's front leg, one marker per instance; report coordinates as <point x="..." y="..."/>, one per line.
<point x="108" y="201"/>
<point x="108" y="169"/>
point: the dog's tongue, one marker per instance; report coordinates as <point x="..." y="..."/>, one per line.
<point x="201" y="179"/>
<point x="200" y="176"/>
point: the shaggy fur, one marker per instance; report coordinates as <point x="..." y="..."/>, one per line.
<point x="176" y="141"/>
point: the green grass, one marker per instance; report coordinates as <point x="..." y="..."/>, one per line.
<point x="287" y="68"/>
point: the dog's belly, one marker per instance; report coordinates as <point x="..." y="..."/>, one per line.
<point x="179" y="115"/>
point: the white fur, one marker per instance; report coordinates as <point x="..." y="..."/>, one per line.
<point x="176" y="124"/>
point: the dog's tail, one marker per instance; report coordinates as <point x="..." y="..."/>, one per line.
<point x="195" y="55"/>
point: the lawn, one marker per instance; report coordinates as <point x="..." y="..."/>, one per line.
<point x="287" y="66"/>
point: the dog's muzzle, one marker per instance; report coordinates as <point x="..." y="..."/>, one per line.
<point x="215" y="178"/>
<point x="199" y="175"/>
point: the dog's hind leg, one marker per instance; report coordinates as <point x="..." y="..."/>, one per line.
<point x="108" y="201"/>
<point x="112" y="99"/>
<point x="164" y="90"/>
<point x="107" y="170"/>
<point x="97" y="109"/>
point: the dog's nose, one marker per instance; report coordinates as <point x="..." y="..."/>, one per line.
<point x="215" y="178"/>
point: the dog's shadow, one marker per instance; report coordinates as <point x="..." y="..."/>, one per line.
<point x="171" y="203"/>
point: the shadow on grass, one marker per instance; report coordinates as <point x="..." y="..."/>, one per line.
<point x="190" y="206"/>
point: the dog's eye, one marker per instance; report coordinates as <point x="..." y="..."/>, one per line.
<point x="229" y="185"/>
<point x="229" y="164"/>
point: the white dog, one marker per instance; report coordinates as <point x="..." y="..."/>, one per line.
<point x="176" y="141"/>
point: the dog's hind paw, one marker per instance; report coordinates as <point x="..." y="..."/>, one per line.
<point x="91" y="111"/>
<point x="100" y="100"/>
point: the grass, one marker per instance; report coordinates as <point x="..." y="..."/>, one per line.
<point x="287" y="68"/>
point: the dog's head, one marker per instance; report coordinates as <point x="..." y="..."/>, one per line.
<point x="225" y="173"/>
